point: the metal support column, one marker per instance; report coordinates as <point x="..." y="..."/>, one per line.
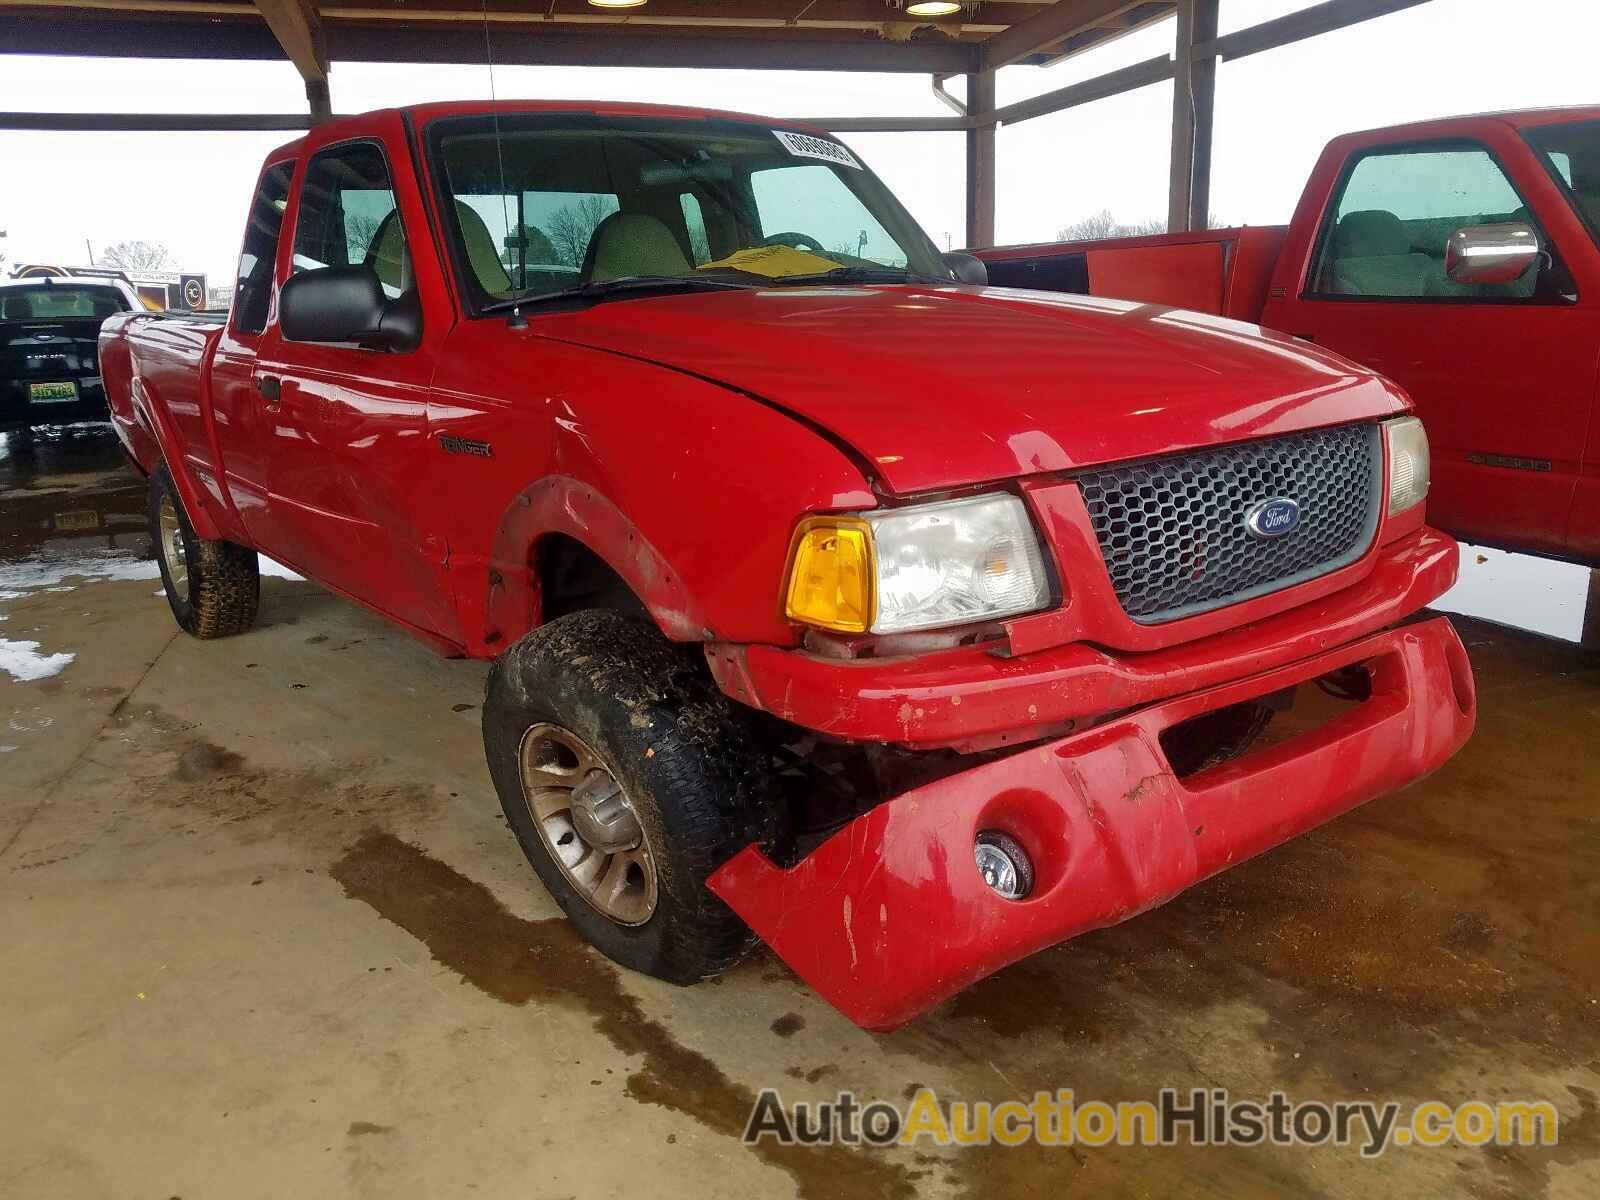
<point x="1194" y="91"/>
<point x="980" y="160"/>
<point x="297" y="25"/>
<point x="317" y="99"/>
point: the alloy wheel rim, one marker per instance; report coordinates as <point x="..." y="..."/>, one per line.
<point x="174" y="554"/>
<point x="588" y="824"/>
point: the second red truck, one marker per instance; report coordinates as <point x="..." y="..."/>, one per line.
<point x="908" y="624"/>
<point x="1460" y="258"/>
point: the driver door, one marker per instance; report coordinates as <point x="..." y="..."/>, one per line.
<point x="349" y="425"/>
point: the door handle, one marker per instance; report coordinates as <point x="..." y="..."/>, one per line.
<point x="271" y="387"/>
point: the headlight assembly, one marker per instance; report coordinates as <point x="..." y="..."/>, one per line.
<point x="1409" y="465"/>
<point x="925" y="566"/>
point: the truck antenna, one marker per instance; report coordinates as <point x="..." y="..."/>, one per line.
<point x="517" y="321"/>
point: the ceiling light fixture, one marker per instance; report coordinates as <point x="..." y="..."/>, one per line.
<point x="925" y="8"/>
<point x="616" y="3"/>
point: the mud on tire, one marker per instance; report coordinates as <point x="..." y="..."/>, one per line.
<point x="213" y="588"/>
<point x="681" y="751"/>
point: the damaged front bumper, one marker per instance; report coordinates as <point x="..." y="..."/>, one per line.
<point x="890" y="915"/>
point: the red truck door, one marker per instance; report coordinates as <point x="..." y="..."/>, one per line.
<point x="349" y="433"/>
<point x="243" y="420"/>
<point x="1503" y="374"/>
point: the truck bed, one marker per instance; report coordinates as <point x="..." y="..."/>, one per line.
<point x="1220" y="271"/>
<point x="168" y="357"/>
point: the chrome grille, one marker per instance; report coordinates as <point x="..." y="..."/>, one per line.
<point x="1173" y="532"/>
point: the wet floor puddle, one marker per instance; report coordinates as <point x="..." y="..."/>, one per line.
<point x="66" y="492"/>
<point x="520" y="961"/>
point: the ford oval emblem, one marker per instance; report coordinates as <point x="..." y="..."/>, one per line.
<point x="1273" y="518"/>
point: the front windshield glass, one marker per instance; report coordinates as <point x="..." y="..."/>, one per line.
<point x="540" y="205"/>
<point x="1571" y="153"/>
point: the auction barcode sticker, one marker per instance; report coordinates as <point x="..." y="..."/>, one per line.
<point x="803" y="145"/>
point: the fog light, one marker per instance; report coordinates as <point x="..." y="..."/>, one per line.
<point x="1004" y="865"/>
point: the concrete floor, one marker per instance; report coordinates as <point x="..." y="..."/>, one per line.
<point x="265" y="934"/>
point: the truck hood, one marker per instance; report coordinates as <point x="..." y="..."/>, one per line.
<point x="938" y="387"/>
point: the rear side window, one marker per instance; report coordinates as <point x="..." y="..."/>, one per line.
<point x="253" y="292"/>
<point x="1395" y="211"/>
<point x="348" y="218"/>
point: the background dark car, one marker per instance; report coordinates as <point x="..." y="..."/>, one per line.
<point x="49" y="356"/>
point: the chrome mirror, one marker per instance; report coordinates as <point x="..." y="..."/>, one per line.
<point x="1490" y="253"/>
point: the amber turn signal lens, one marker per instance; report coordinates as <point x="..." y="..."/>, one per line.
<point x="830" y="575"/>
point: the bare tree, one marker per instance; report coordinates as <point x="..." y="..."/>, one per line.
<point x="1104" y="225"/>
<point x="360" y="232"/>
<point x="573" y="225"/>
<point x="136" y="256"/>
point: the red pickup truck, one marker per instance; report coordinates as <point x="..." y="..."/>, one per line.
<point x="1459" y="258"/>
<point x="910" y="624"/>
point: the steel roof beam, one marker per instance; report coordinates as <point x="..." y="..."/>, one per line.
<point x="157" y="122"/>
<point x="1054" y="24"/>
<point x="1297" y="26"/>
<point x="298" y="28"/>
<point x="97" y="34"/>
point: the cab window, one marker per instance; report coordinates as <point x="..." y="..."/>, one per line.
<point x="348" y="217"/>
<point x="253" y="290"/>
<point x="1394" y="213"/>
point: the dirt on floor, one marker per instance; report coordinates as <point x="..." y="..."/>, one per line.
<point x="266" y="934"/>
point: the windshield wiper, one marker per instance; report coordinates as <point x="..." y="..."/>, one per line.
<point x="857" y="275"/>
<point x="612" y="289"/>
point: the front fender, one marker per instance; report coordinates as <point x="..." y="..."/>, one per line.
<point x="688" y="490"/>
<point x="564" y="505"/>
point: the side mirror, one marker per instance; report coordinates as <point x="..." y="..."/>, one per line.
<point x="347" y="304"/>
<point x="966" y="267"/>
<point x="1491" y="253"/>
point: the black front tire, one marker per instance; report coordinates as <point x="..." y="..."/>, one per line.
<point x="213" y="588"/>
<point x="683" y="753"/>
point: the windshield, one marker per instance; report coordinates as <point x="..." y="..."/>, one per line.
<point x="1571" y="153"/>
<point x="48" y="301"/>
<point x="547" y="204"/>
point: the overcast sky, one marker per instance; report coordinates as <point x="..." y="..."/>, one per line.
<point x="1275" y="110"/>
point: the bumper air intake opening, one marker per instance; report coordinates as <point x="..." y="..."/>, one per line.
<point x="1221" y="735"/>
<point x="1226" y="735"/>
